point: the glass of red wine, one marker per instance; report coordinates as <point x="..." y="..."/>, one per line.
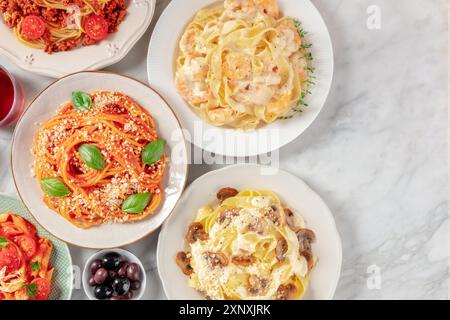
<point x="11" y="98"/>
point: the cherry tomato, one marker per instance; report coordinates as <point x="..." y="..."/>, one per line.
<point x="10" y="258"/>
<point x="96" y="27"/>
<point x="32" y="28"/>
<point x="42" y="288"/>
<point x="27" y="244"/>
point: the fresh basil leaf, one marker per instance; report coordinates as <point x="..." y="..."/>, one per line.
<point x="54" y="187"/>
<point x="92" y="156"/>
<point x="35" y="266"/>
<point x="136" y="203"/>
<point x="153" y="151"/>
<point x="3" y="242"/>
<point x="81" y="100"/>
<point x="31" y="290"/>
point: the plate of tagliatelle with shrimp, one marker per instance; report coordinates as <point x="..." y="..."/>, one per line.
<point x="249" y="70"/>
<point x="263" y="236"/>
<point x="34" y="265"/>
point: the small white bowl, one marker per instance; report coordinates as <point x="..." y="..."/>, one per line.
<point x="126" y="255"/>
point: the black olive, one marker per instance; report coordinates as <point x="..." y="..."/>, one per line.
<point x="121" y="286"/>
<point x="111" y="261"/>
<point x="95" y="265"/>
<point x="103" y="292"/>
<point x="133" y="271"/>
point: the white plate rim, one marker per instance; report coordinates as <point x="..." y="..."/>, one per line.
<point x="12" y="148"/>
<point x="165" y="17"/>
<point x="333" y="286"/>
<point x="101" y="62"/>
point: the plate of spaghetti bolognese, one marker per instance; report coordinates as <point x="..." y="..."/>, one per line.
<point x="58" y="37"/>
<point x="108" y="159"/>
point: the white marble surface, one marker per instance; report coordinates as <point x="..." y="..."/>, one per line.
<point x="377" y="153"/>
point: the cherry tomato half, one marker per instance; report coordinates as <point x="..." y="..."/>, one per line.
<point x="42" y="288"/>
<point x="32" y="28"/>
<point x="10" y="258"/>
<point x="96" y="27"/>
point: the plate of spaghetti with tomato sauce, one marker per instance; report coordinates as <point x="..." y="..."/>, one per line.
<point x="66" y="36"/>
<point x="108" y="160"/>
<point x="34" y="265"/>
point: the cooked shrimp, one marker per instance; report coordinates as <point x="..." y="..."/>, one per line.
<point x="237" y="66"/>
<point x="190" y="80"/>
<point x="270" y="7"/>
<point x="188" y="43"/>
<point x="251" y="7"/>
<point x="193" y="92"/>
<point x="288" y="39"/>
<point x="280" y="105"/>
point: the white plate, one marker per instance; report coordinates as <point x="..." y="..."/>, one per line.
<point x="45" y="106"/>
<point x="162" y="54"/>
<point x="293" y="192"/>
<point x="109" y="51"/>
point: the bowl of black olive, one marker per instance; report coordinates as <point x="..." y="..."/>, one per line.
<point x="114" y="275"/>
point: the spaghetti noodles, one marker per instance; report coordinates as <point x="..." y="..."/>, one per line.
<point x="90" y="160"/>
<point x="61" y="25"/>
<point x="25" y="270"/>
<point x="248" y="247"/>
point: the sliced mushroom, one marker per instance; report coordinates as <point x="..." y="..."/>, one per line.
<point x="309" y="258"/>
<point x="286" y="292"/>
<point x="257" y="225"/>
<point x="243" y="260"/>
<point x="305" y="238"/>
<point x="291" y="220"/>
<point x="281" y="249"/>
<point x="274" y="215"/>
<point x="227" y="215"/>
<point x="184" y="262"/>
<point x="196" y="232"/>
<point x="256" y="285"/>
<point x="216" y="259"/>
<point x="226" y="193"/>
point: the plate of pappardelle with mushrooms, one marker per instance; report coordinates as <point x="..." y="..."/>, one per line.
<point x="244" y="70"/>
<point x="249" y="232"/>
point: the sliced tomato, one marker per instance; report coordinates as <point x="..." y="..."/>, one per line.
<point x="10" y="258"/>
<point x="32" y="28"/>
<point x="42" y="288"/>
<point x="27" y="244"/>
<point x="96" y="27"/>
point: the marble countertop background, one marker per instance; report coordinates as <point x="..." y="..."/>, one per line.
<point x="377" y="154"/>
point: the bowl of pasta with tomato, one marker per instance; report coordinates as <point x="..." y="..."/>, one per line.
<point x="34" y="265"/>
<point x="108" y="159"/>
<point x="58" y="37"/>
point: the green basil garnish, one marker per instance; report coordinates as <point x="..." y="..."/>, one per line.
<point x="31" y="290"/>
<point x="136" y="203"/>
<point x="153" y="151"/>
<point x="3" y="242"/>
<point x="92" y="156"/>
<point x="35" y="266"/>
<point x="81" y="100"/>
<point x="54" y="187"/>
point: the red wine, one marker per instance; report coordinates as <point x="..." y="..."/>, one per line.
<point x="6" y="94"/>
